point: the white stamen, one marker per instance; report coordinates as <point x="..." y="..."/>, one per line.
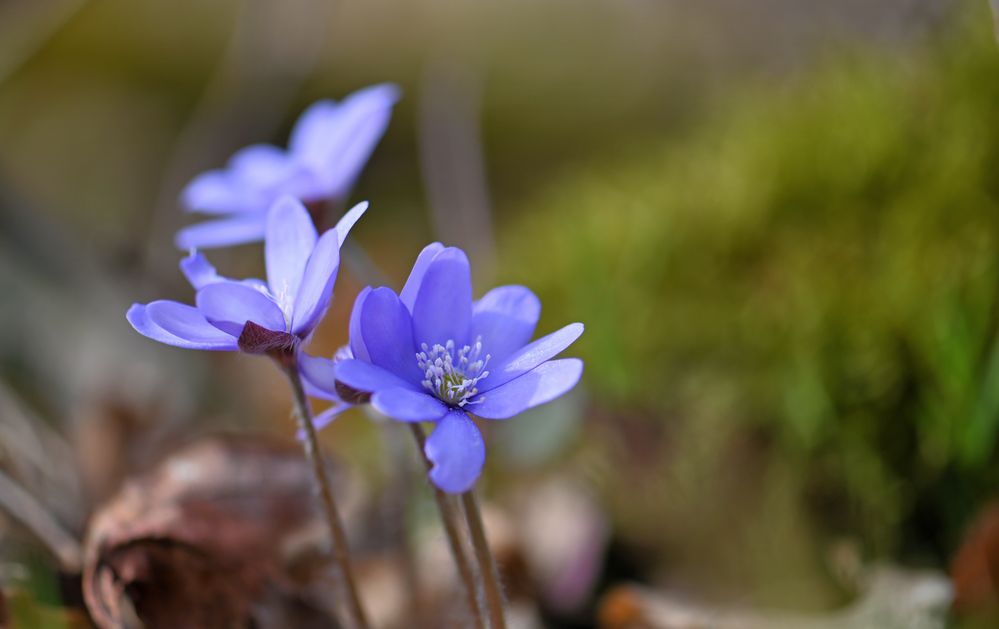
<point x="452" y="376"/>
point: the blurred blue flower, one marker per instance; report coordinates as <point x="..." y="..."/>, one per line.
<point x="252" y="315"/>
<point x="329" y="145"/>
<point x="430" y="353"/>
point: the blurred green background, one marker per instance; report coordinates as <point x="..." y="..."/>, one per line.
<point x="778" y="222"/>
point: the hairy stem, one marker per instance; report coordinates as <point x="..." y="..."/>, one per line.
<point x="395" y="507"/>
<point x="341" y="550"/>
<point x="487" y="565"/>
<point x="454" y="538"/>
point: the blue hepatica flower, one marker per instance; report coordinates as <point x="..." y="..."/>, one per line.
<point x="252" y="315"/>
<point x="432" y="354"/>
<point x="329" y="145"/>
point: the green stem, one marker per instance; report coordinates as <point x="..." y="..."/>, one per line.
<point x="341" y="550"/>
<point x="449" y="519"/>
<point x="487" y="565"/>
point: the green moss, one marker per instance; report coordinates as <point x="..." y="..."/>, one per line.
<point x="825" y="251"/>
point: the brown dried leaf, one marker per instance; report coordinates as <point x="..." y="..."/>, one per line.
<point x="975" y="569"/>
<point x="198" y="541"/>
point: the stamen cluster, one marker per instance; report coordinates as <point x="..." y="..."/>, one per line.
<point x="452" y="376"/>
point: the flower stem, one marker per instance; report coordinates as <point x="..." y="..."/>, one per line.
<point x="341" y="550"/>
<point x="487" y="565"/>
<point x="449" y="519"/>
<point x="394" y="509"/>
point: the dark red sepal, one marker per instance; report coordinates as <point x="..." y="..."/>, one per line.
<point x="256" y="339"/>
<point x="351" y="395"/>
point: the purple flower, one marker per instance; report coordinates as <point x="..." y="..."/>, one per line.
<point x="432" y="354"/>
<point x="252" y="315"/>
<point x="328" y="147"/>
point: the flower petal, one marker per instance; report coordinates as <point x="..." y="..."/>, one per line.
<point x="408" y="405"/>
<point x="357" y="347"/>
<point x="505" y="318"/>
<point x="324" y="419"/>
<point x="214" y="192"/>
<point x="313" y="391"/>
<point x="530" y="356"/>
<point x="443" y="307"/>
<point x="363" y="376"/>
<point x="237" y="230"/>
<point x="540" y="385"/>
<point x="259" y="166"/>
<point x="186" y="323"/>
<point x="310" y="135"/>
<point x="317" y="371"/>
<point x="139" y="318"/>
<point x="364" y="117"/>
<point x="198" y="271"/>
<point x="288" y="243"/>
<point x="412" y="287"/>
<point x="337" y="139"/>
<point x="316" y="290"/>
<point x="228" y="306"/>
<point x="249" y="183"/>
<point x="457" y="450"/>
<point x="346" y="222"/>
<point x="387" y="332"/>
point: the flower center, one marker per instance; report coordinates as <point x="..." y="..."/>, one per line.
<point x="452" y="374"/>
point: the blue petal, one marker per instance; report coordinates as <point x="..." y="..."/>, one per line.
<point x="346" y="222"/>
<point x="365" y="117"/>
<point x="139" y="318"/>
<point x="313" y="129"/>
<point x="316" y="290"/>
<point x="505" y="318"/>
<point x="319" y="372"/>
<point x="530" y="356"/>
<point x="324" y="419"/>
<point x="387" y="331"/>
<point x="457" y="450"/>
<point x="408" y="405"/>
<point x="214" y="192"/>
<point x="188" y="324"/>
<point x="538" y="386"/>
<point x="237" y="230"/>
<point x="198" y="271"/>
<point x="228" y="306"/>
<point x="443" y="307"/>
<point x="336" y="140"/>
<point x="260" y="165"/>
<point x="289" y="240"/>
<point x="357" y="347"/>
<point x="313" y="391"/>
<point x="412" y="287"/>
<point x="249" y="182"/>
<point x="363" y="376"/>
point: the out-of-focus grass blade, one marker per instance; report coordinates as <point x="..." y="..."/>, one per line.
<point x="25" y="27"/>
